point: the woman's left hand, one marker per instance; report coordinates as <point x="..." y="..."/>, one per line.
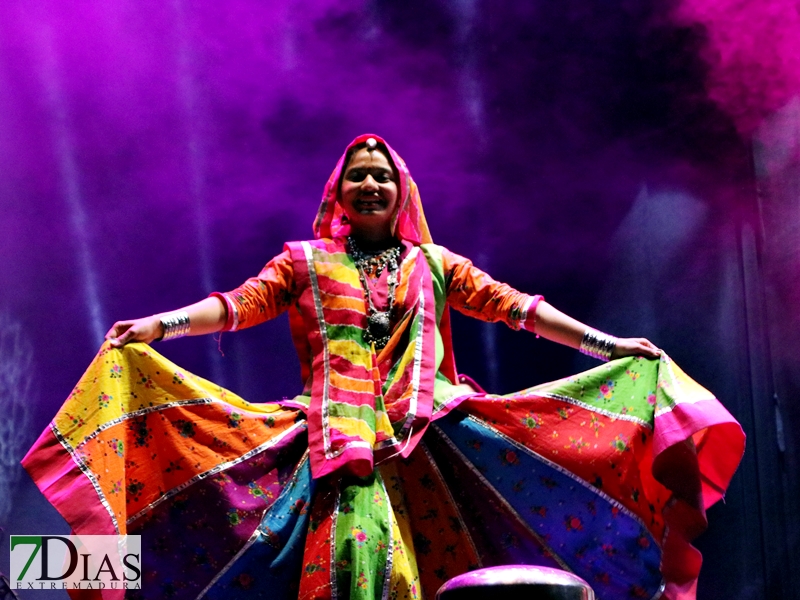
<point x="635" y="347"/>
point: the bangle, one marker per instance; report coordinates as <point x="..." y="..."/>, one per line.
<point x="175" y="325"/>
<point x="598" y="345"/>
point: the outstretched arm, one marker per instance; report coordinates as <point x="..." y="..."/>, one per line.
<point x="206" y="316"/>
<point x="257" y="300"/>
<point x="554" y="325"/>
<point x="473" y="292"/>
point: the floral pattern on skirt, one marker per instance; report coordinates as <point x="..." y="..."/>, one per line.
<point x="578" y="474"/>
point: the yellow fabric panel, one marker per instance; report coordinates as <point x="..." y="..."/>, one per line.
<point x="690" y="390"/>
<point x="124" y="380"/>
<point x="383" y="424"/>
<point x="405" y="276"/>
<point x="404" y="583"/>
<point x="406" y="360"/>
<point x="353" y="428"/>
<point x="338" y="272"/>
<point x="351" y="351"/>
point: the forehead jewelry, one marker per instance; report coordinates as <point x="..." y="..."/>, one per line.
<point x="372" y="143"/>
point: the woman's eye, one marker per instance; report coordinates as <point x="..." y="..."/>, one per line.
<point x="358" y="176"/>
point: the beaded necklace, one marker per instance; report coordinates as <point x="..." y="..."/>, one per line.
<point x="379" y="323"/>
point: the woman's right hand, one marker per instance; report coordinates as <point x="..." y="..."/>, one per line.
<point x="144" y="330"/>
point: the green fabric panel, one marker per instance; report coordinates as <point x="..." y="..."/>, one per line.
<point x="303" y="399"/>
<point x="363" y="538"/>
<point x="665" y="390"/>
<point x="413" y="330"/>
<point x="443" y="392"/>
<point x="628" y="386"/>
<point x="341" y="258"/>
<point x="439" y="352"/>
<point x="363" y="412"/>
<point x="433" y="254"/>
<point x="347" y="332"/>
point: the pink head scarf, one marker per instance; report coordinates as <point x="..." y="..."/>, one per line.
<point x="408" y="221"/>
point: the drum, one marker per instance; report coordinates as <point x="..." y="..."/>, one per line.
<point x="516" y="582"/>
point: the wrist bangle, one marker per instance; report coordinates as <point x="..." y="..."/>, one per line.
<point x="598" y="345"/>
<point x="175" y="324"/>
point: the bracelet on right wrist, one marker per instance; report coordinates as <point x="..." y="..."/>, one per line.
<point x="175" y="325"/>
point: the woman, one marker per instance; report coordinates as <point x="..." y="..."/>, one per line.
<point x="388" y="474"/>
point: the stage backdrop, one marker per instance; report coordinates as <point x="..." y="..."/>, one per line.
<point x="636" y="162"/>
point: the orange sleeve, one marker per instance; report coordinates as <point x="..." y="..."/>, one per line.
<point x="474" y="293"/>
<point x="261" y="298"/>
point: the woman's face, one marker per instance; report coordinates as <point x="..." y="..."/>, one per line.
<point x="369" y="193"/>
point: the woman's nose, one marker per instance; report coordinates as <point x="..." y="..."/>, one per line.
<point x="369" y="183"/>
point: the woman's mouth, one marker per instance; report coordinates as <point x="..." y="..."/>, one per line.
<point x="369" y="204"/>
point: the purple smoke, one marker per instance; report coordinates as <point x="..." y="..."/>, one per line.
<point x="753" y="52"/>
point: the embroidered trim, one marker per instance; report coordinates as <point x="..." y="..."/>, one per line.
<point x="566" y="472"/>
<point x="334" y="520"/>
<point x="326" y="357"/>
<point x="602" y="411"/>
<point x="453" y="502"/>
<point x="252" y="540"/>
<point x="217" y="469"/>
<point x="387" y="572"/>
<point x="416" y="373"/>
<point x="88" y="473"/>
<point x="143" y="411"/>
<point x="499" y="497"/>
<point x="256" y="534"/>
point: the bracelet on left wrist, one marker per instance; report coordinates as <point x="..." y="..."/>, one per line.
<point x="598" y="345"/>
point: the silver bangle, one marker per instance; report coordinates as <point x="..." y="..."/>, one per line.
<point x="598" y="345"/>
<point x="176" y="324"/>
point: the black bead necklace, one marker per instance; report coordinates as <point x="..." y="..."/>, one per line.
<point x="379" y="322"/>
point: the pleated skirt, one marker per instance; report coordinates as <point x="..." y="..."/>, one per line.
<point x="606" y="474"/>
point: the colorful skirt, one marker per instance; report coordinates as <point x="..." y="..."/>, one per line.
<point x="606" y="474"/>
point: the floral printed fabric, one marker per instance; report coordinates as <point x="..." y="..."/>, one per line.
<point x="575" y="474"/>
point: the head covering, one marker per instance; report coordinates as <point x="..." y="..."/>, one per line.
<point x="408" y="221"/>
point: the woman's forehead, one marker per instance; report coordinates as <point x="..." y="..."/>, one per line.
<point x="366" y="159"/>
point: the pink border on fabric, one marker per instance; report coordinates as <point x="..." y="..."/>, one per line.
<point x="66" y="487"/>
<point x="320" y="465"/>
<point x="428" y="360"/>
<point x="724" y="435"/>
<point x="687" y="418"/>
<point x="719" y="452"/>
<point x="61" y="481"/>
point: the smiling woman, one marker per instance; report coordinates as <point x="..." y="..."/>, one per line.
<point x="369" y="194"/>
<point x="389" y="473"/>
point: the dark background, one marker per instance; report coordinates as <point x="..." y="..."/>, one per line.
<point x="637" y="162"/>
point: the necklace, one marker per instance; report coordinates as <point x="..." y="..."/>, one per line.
<point x="379" y="322"/>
